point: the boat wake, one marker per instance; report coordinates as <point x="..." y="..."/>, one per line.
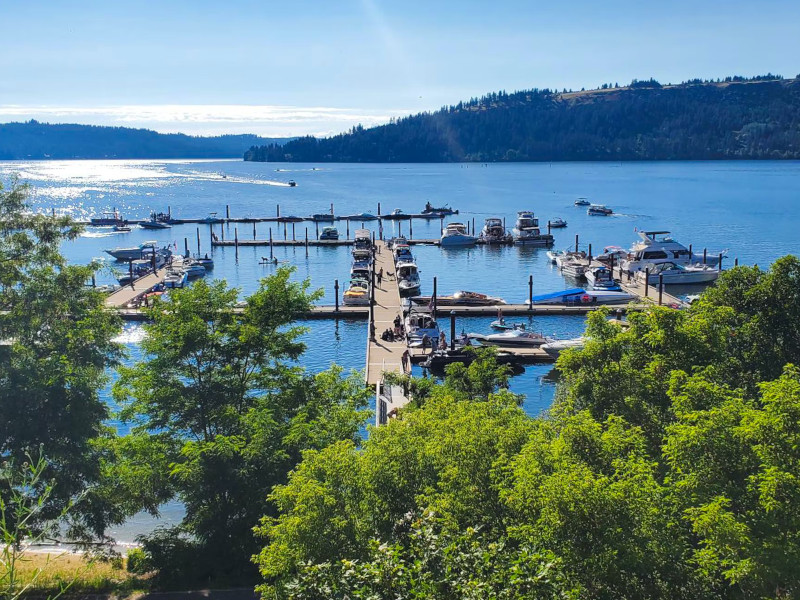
<point x="99" y="234"/>
<point x="134" y="334"/>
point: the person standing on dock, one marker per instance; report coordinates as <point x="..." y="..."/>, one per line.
<point x="426" y="341"/>
<point x="404" y="360"/>
<point x="442" y="341"/>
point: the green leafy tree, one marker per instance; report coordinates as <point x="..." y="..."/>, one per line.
<point x="57" y="347"/>
<point x="220" y="417"/>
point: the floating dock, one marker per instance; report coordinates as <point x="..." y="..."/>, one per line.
<point x="127" y="294"/>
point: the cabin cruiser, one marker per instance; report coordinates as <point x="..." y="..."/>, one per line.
<point x="108" y="219"/>
<point x="419" y="324"/>
<point x="582" y="202"/>
<point x="143" y="250"/>
<point x="361" y="270"/>
<point x="461" y="298"/>
<point x="612" y="255"/>
<point x="193" y="269"/>
<point x="601" y="278"/>
<point x="361" y="217"/>
<point x="408" y="278"/>
<point x="656" y="247"/>
<point x="329" y="233"/>
<point x="357" y="293"/>
<point x="206" y="261"/>
<point x="599" y="210"/>
<point x="362" y="238"/>
<point x="455" y="234"/>
<point x="527" y="231"/>
<point x="175" y="278"/>
<point x="402" y="253"/>
<point x="671" y="273"/>
<point x="154" y="223"/>
<point x="515" y="337"/>
<point x="493" y="232"/>
<point x="557" y="223"/>
<point x="555" y="347"/>
<point x="443" y="211"/>
<point x="397" y="215"/>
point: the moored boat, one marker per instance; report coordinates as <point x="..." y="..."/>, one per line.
<point x="555" y="347"/>
<point x="526" y="231"/>
<point x="557" y="223"/>
<point x="108" y="219"/>
<point x="514" y="337"/>
<point x="329" y="233"/>
<point x="143" y="250"/>
<point x="493" y="232"/>
<point x="674" y="274"/>
<point x="357" y="293"/>
<point x="443" y="211"/>
<point x="408" y="278"/>
<point x="659" y="247"/>
<point x="601" y="278"/>
<point x="455" y="234"/>
<point x="175" y="278"/>
<point x="599" y="210"/>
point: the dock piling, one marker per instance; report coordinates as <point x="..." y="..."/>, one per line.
<point x="316" y="225"/>
<point x="379" y="209"/>
<point x="227" y="211"/>
<point x="548" y="228"/>
<point x="660" y="287"/>
<point x="198" y="242"/>
<point x="530" y="291"/>
<point x="452" y="331"/>
<point x="646" y="281"/>
<point x="278" y="210"/>
<point x="348" y="228"/>
<point x="222" y="232"/>
<point x="720" y="261"/>
<point x="306" y="242"/>
<point x="411" y="229"/>
<point x="705" y="252"/>
<point x="735" y="262"/>
<point x="293" y="238"/>
<point x="254" y="230"/>
<point x="336" y="295"/>
<point x="270" y="243"/>
<point x="590" y="255"/>
<point x="433" y="299"/>
<point x="285" y="235"/>
<point x="473" y="226"/>
<point x="576" y="242"/>
<point x="441" y="224"/>
<point x="130" y="272"/>
<point x="236" y="240"/>
<point x="186" y="246"/>
<point x="691" y="254"/>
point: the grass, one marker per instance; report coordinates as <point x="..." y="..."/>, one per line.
<point x="58" y="570"/>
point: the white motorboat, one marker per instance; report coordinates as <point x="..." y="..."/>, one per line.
<point x="526" y="231"/>
<point x="212" y="219"/>
<point x="493" y="232"/>
<point x="461" y="298"/>
<point x="419" y="324"/>
<point x="408" y="278"/>
<point x="329" y="233"/>
<point x="503" y="325"/>
<point x="175" y="278"/>
<point x="357" y="293"/>
<point x="193" y="269"/>
<point x="557" y="223"/>
<point x="566" y="256"/>
<point x="402" y="253"/>
<point x="658" y="247"/>
<point x="576" y="296"/>
<point x="582" y="202"/>
<point x="515" y="337"/>
<point x="553" y="255"/>
<point x="139" y="252"/>
<point x="206" y="261"/>
<point x="675" y="274"/>
<point x="601" y="278"/>
<point x="599" y="210"/>
<point x="555" y="347"/>
<point x="612" y="254"/>
<point x="455" y="234"/>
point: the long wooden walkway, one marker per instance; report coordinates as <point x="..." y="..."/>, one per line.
<point x="384" y="356"/>
<point x="126" y="294"/>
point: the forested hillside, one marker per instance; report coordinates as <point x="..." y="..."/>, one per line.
<point x="736" y="118"/>
<point x="34" y="140"/>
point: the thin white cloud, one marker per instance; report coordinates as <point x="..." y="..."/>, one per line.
<point x="209" y="119"/>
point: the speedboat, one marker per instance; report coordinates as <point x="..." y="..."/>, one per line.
<point x="329" y="233"/>
<point x="143" y="250"/>
<point x="211" y="219"/>
<point x="553" y="255"/>
<point x="397" y="214"/>
<point x="672" y="273"/>
<point x="408" y="278"/>
<point x="175" y="278"/>
<point x="579" y="296"/>
<point x="108" y="219"/>
<point x="557" y="223"/>
<point x="612" y="254"/>
<point x="361" y="270"/>
<point x="460" y="298"/>
<point x="527" y="231"/>
<point x="493" y="232"/>
<point x="322" y="217"/>
<point x="582" y="202"/>
<point x="444" y="211"/>
<point x="206" y="261"/>
<point x="122" y="228"/>
<point x="193" y="269"/>
<point x="502" y="325"/>
<point x="357" y="293"/>
<point x="455" y="234"/>
<point x="292" y="183"/>
<point x="361" y="217"/>
<point x="515" y="337"/>
<point x="656" y="247"/>
<point x="566" y="256"/>
<point x="555" y="347"/>
<point x="599" y="210"/>
<point x="601" y="278"/>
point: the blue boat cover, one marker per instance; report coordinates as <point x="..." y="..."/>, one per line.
<point x="563" y="296"/>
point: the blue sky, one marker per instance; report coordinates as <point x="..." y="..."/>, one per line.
<point x="289" y="68"/>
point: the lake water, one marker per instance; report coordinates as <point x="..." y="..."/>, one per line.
<point x="749" y="208"/>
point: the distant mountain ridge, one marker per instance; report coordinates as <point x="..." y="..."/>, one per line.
<point x="35" y="140"/>
<point x="735" y="118"/>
